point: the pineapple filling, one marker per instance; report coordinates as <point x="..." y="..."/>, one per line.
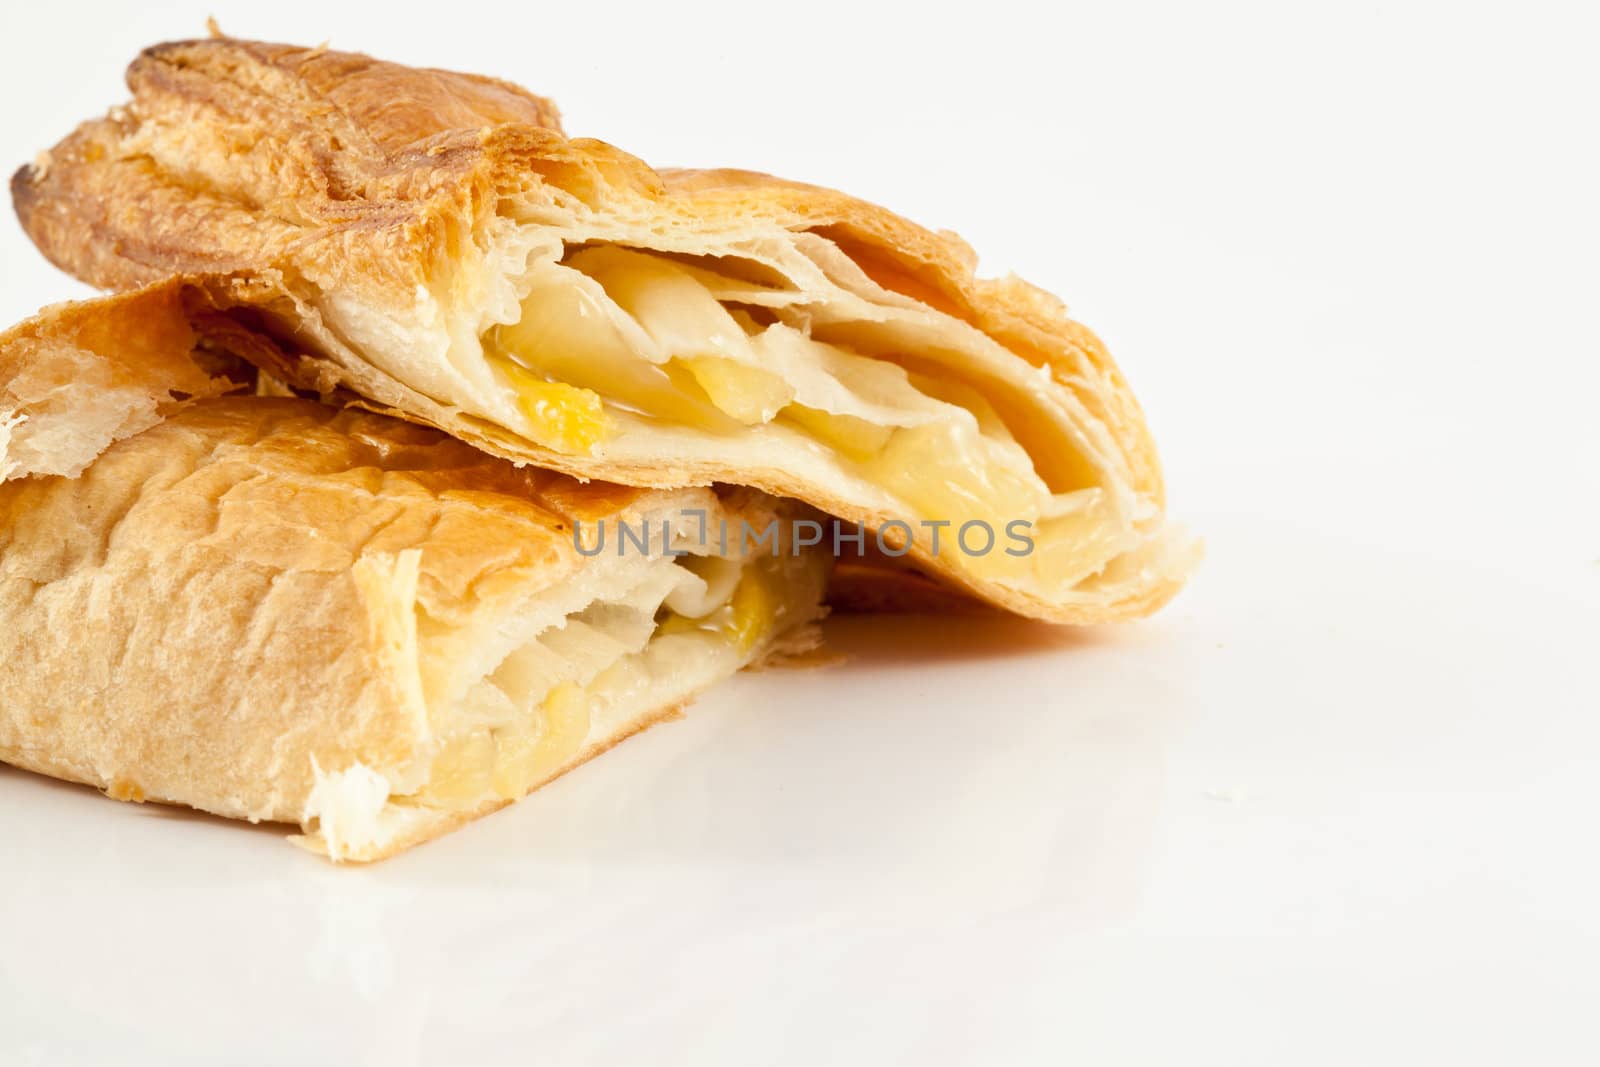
<point x="686" y="621"/>
<point x="611" y="336"/>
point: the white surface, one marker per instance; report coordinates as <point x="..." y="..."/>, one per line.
<point x="1334" y="806"/>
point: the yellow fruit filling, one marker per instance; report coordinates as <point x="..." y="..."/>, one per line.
<point x="644" y="333"/>
<point x="749" y="394"/>
<point x="566" y="334"/>
<point x="564" y="417"/>
<point x="527" y="754"/>
<point x="461" y="771"/>
<point x="931" y="468"/>
<point x="855" y="438"/>
<point x="533" y="714"/>
<point x="676" y="310"/>
<point x="749" y="616"/>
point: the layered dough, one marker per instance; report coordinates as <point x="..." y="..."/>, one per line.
<point x="274" y="610"/>
<point x="77" y="377"/>
<point x="433" y="246"/>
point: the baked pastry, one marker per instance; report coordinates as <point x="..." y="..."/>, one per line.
<point x="76" y="377"/>
<point x="271" y="609"/>
<point x="434" y="244"/>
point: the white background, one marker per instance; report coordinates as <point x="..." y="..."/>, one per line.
<point x="1335" y="805"/>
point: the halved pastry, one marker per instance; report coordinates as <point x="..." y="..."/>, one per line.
<point x="434" y="244"/>
<point x="275" y="610"/>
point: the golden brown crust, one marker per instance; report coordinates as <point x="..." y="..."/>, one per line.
<point x="364" y="106"/>
<point x="223" y="580"/>
<point x="76" y="377"/>
<point x="337" y="173"/>
<point x="296" y="153"/>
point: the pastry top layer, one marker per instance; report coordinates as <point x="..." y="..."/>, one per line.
<point x="233" y="154"/>
<point x="295" y="485"/>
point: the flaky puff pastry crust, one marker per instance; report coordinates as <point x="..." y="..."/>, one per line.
<point x="77" y="377"/>
<point x="313" y="172"/>
<point x="211" y="599"/>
